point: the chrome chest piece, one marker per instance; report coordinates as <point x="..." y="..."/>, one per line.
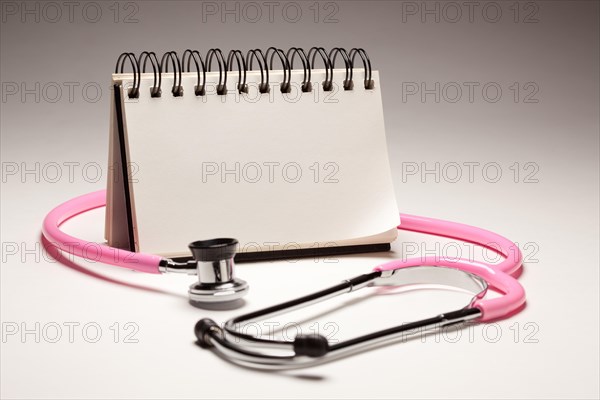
<point x="213" y="264"/>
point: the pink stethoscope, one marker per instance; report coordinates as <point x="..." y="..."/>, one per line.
<point x="213" y="263"/>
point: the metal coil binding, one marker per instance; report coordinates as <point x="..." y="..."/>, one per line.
<point x="133" y="92"/>
<point x="265" y="61"/>
<point x="194" y="55"/>
<point x="144" y="57"/>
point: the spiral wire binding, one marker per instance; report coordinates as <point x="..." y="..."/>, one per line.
<point x="241" y="64"/>
<point x="285" y="63"/>
<point x="259" y="56"/>
<point x="222" y="85"/>
<point x="194" y="55"/>
<point x="177" y="89"/>
<point x="328" y="83"/>
<point x="306" y="85"/>
<point x="144" y="57"/>
<point x="348" y="85"/>
<point x="264" y="60"/>
<point x="368" y="82"/>
<point x="133" y="92"/>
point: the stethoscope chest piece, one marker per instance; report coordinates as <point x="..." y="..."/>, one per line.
<point x="215" y="271"/>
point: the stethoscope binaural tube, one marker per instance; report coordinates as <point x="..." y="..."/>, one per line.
<point x="308" y="350"/>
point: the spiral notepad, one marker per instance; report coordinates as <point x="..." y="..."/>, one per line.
<point x="279" y="149"/>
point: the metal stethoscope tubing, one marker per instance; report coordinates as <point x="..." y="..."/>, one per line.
<point x="309" y="350"/>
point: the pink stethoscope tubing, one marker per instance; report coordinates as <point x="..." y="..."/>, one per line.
<point x="497" y="275"/>
<point x="148" y="263"/>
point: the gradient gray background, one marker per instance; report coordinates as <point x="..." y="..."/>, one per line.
<point x="558" y="215"/>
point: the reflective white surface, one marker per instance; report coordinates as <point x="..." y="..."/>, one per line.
<point x="549" y="350"/>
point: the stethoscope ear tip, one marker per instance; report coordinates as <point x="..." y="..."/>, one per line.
<point x="203" y="330"/>
<point x="312" y="345"/>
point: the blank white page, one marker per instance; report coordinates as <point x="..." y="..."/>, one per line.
<point x="273" y="170"/>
